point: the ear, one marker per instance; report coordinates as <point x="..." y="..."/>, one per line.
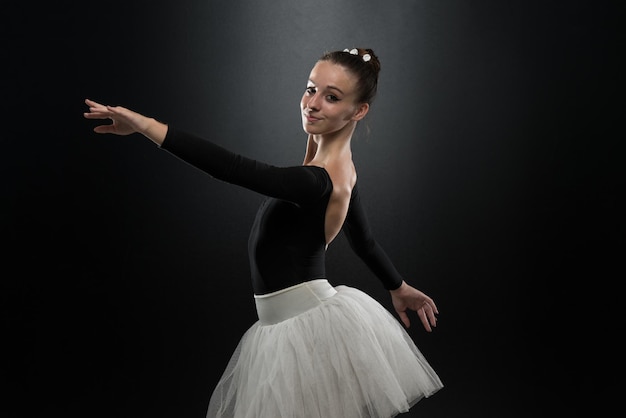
<point x="361" y="111"/>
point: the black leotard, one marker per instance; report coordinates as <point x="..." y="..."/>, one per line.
<point x="287" y="242"/>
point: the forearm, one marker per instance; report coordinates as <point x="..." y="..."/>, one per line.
<point x="380" y="264"/>
<point x="361" y="239"/>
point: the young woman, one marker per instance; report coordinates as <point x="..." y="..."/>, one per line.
<point x="317" y="350"/>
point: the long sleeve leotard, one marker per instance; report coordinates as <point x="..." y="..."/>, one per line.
<point x="287" y="243"/>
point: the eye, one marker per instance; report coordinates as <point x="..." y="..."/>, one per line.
<point x="310" y="90"/>
<point x="332" y="98"/>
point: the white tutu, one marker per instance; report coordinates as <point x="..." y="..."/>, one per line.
<point x="322" y="352"/>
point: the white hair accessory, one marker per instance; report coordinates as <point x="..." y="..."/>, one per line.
<point x="354" y="51"/>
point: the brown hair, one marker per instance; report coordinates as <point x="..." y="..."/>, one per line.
<point x="365" y="71"/>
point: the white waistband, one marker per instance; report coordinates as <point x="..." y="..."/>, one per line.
<point x="275" y="307"/>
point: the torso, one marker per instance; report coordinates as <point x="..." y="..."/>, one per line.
<point x="287" y="242"/>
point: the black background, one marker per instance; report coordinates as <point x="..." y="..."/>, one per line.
<point x="492" y="173"/>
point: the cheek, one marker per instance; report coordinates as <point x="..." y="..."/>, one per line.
<point x="350" y="113"/>
<point x="344" y="115"/>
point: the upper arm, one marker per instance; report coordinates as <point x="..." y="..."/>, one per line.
<point x="299" y="184"/>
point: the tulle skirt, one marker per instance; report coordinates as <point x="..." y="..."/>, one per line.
<point x="319" y="351"/>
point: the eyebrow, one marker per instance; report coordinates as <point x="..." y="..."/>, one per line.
<point x="330" y="87"/>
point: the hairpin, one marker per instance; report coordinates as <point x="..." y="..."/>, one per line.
<point x="354" y="51"/>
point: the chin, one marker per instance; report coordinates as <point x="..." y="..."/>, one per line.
<point x="309" y="129"/>
<point x="314" y="131"/>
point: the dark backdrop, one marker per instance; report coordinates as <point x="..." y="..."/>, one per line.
<point x="489" y="164"/>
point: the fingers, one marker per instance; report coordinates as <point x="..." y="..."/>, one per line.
<point x="427" y="314"/>
<point x="433" y="306"/>
<point x="104" y="129"/>
<point x="425" y="319"/>
<point x="95" y="106"/>
<point x="431" y="310"/>
<point x="404" y="318"/>
<point x="98" y="111"/>
<point x="94" y="114"/>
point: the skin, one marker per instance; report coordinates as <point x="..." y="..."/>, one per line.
<point x="330" y="113"/>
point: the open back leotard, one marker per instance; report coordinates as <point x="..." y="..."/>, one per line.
<point x="287" y="242"/>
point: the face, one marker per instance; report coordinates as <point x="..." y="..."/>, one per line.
<point x="329" y="101"/>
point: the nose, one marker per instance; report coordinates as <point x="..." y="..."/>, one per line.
<point x="313" y="102"/>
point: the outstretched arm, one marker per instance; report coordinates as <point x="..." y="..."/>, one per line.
<point x="125" y="122"/>
<point x="298" y="184"/>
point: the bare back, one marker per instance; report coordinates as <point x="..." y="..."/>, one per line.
<point x="343" y="177"/>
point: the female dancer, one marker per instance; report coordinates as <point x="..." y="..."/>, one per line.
<point x="317" y="350"/>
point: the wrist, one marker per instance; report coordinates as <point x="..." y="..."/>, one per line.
<point x="399" y="289"/>
<point x="155" y="131"/>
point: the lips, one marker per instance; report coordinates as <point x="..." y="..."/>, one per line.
<point x="310" y="118"/>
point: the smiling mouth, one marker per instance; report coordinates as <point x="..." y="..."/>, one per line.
<point x="310" y="118"/>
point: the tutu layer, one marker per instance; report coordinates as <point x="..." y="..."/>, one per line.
<point x="341" y="355"/>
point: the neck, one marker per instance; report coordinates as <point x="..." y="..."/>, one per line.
<point x="335" y="144"/>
